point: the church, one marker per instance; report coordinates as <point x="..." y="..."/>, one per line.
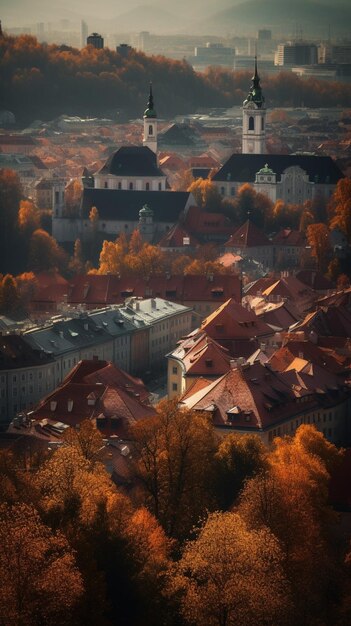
<point x="293" y="178"/>
<point x="130" y="191"/>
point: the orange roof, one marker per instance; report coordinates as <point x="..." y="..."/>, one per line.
<point x="248" y="236"/>
<point x="207" y="358"/>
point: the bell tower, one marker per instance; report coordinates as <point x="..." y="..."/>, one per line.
<point x="254" y="118"/>
<point x="150" y="124"/>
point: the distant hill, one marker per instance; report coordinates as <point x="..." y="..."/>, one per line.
<point x="148" y="17"/>
<point x="311" y="16"/>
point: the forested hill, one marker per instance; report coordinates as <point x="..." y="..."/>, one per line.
<point x="40" y="82"/>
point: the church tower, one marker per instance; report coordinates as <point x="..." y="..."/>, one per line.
<point x="254" y="118"/>
<point x="150" y="124"/>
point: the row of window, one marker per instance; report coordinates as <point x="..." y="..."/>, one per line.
<point x="131" y="186"/>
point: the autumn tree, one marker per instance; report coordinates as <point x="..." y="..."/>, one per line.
<point x="135" y="242"/>
<point x="45" y="253"/>
<point x="26" y="287"/>
<point x="28" y="217"/>
<point x="73" y="194"/>
<point x="231" y="575"/>
<point x="111" y="260"/>
<point x="76" y="263"/>
<point x="291" y="499"/>
<point x="35" y="563"/>
<point x="340" y="207"/>
<point x="206" y="194"/>
<point x="86" y="439"/>
<point x="238" y="458"/>
<point x="174" y="466"/>
<point x="94" y="231"/>
<point x="250" y="204"/>
<point x="9" y="297"/>
<point x="318" y="238"/>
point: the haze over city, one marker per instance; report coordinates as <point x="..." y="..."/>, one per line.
<point x="222" y="17"/>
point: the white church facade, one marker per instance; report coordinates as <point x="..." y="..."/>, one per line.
<point x="293" y="178"/>
<point x="129" y="192"/>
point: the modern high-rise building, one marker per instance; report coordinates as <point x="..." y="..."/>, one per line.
<point x="96" y="40"/>
<point x="296" y="53"/>
<point x="83" y="34"/>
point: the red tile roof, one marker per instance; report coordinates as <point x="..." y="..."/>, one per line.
<point x="100" y="391"/>
<point x="254" y="397"/>
<point x="288" y="237"/>
<point x="325" y="358"/>
<point x="315" y="280"/>
<point x="207" y="358"/>
<point x="248" y="236"/>
<point x="333" y="321"/>
<point x="231" y="320"/>
<point x="202" y="222"/>
<point x="174" y="238"/>
<point x="98" y="290"/>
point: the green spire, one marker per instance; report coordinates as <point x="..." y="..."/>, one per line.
<point x="150" y="111"/>
<point x="255" y="94"/>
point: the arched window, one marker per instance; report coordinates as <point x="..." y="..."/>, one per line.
<point x="119" y="185"/>
<point x="151" y="130"/>
<point x="160" y="186"/>
<point x="262" y="123"/>
<point x="106" y="184"/>
<point x="147" y="186"/>
<point x="251" y="123"/>
<point x="131" y="186"/>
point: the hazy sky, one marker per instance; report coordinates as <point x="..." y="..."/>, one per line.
<point x="105" y="13"/>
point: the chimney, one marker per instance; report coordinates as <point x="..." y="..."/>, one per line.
<point x="137" y="305"/>
<point x="153" y="303"/>
<point x="233" y="364"/>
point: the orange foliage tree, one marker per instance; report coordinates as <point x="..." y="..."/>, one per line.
<point x="318" y="238"/>
<point x="223" y="577"/>
<point x="174" y="466"/>
<point x="35" y="563"/>
<point x="340" y="207"/>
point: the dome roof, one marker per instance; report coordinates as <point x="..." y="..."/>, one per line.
<point x="146" y="211"/>
<point x="132" y="161"/>
<point x="266" y="170"/>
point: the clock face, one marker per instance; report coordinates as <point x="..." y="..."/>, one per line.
<point x="251" y="105"/>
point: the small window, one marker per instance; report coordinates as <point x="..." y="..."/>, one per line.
<point x="160" y="186"/>
<point x="106" y="184"/>
<point x="151" y="130"/>
<point x="147" y="186"/>
<point x="175" y="369"/>
<point x="251" y="123"/>
<point x="174" y="387"/>
<point x="131" y="186"/>
<point x="119" y="186"/>
<point x="262" y="123"/>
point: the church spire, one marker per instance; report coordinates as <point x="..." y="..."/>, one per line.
<point x="150" y="124"/>
<point x="150" y="111"/>
<point x="254" y="114"/>
<point x="255" y="94"/>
